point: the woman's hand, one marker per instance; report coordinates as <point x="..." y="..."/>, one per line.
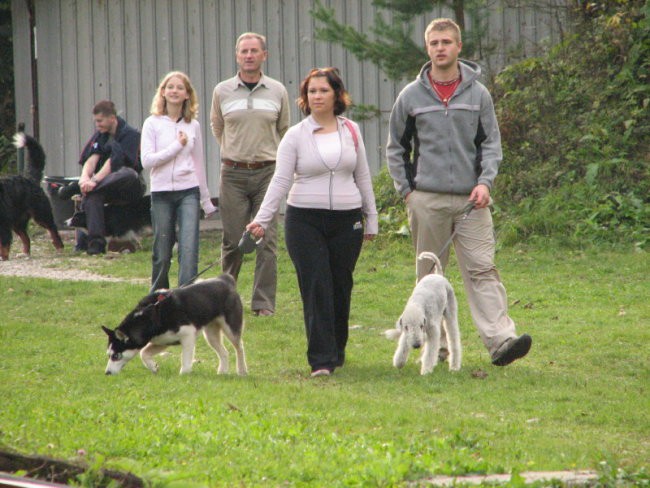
<point x="256" y="230"/>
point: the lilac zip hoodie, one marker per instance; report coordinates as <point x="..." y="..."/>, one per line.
<point x="174" y="166"/>
<point x="309" y="183"/>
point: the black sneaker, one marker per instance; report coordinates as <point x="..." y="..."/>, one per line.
<point x="96" y="247"/>
<point x="512" y="349"/>
<point x="66" y="192"/>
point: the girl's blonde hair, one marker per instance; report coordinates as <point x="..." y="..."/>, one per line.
<point x="190" y="106"/>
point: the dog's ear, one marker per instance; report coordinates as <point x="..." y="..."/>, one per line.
<point x="121" y="336"/>
<point x="108" y="331"/>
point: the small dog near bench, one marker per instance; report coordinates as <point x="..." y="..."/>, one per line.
<point x="432" y="305"/>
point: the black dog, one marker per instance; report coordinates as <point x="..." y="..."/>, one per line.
<point x="120" y="221"/>
<point x="22" y="198"/>
<point x="168" y="317"/>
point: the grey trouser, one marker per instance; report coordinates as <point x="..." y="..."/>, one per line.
<point x="432" y="218"/>
<point x="241" y="194"/>
<point x="120" y="188"/>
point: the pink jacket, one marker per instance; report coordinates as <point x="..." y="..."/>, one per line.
<point x="174" y="166"/>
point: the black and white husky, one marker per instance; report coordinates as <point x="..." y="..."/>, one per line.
<point x="168" y="317"/>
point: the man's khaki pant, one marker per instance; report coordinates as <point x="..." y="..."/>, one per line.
<point x="432" y="218"/>
<point x="241" y="194"/>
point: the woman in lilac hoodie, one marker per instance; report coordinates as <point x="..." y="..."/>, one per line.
<point x="322" y="167"/>
<point x="171" y="148"/>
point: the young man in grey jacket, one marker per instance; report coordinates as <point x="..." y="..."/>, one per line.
<point x="444" y="150"/>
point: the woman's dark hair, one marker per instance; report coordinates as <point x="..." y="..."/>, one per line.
<point x="341" y="98"/>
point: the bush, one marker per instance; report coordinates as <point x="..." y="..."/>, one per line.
<point x="390" y="205"/>
<point x="576" y="134"/>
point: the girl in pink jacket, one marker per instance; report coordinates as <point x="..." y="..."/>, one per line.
<point x="171" y="148"/>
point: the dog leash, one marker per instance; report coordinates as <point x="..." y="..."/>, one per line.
<point x="466" y="211"/>
<point x="247" y="244"/>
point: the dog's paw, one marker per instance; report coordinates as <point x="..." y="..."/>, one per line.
<point x="399" y="363"/>
<point x="424" y="371"/>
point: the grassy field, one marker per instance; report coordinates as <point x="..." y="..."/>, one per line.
<point x="580" y="400"/>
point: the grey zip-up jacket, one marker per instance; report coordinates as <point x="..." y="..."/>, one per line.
<point x="441" y="149"/>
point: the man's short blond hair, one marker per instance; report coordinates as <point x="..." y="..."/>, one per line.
<point x="251" y="35"/>
<point x="442" y="24"/>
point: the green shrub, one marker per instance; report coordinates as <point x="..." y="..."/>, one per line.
<point x="390" y="205"/>
<point x="576" y="134"/>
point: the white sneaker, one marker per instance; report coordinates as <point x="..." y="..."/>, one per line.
<point x="320" y="372"/>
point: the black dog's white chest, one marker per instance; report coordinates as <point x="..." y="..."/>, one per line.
<point x="172" y="338"/>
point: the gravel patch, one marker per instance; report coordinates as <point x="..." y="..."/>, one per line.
<point x="44" y="262"/>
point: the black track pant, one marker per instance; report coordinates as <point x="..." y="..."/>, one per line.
<point x="324" y="246"/>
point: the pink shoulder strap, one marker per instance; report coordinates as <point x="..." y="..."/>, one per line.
<point x="355" y="137"/>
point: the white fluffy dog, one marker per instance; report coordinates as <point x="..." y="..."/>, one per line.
<point x="432" y="305"/>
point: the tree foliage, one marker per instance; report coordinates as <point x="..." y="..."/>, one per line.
<point x="389" y="42"/>
<point x="388" y="45"/>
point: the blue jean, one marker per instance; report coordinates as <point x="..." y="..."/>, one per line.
<point x="175" y="217"/>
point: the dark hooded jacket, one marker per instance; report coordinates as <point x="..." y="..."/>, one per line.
<point x="123" y="149"/>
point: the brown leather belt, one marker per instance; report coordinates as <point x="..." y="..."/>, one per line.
<point x="247" y="165"/>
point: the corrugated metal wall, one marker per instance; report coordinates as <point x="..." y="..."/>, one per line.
<point x="119" y="49"/>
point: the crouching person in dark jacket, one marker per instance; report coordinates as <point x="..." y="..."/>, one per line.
<point x="110" y="171"/>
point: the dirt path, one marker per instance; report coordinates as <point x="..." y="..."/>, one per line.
<point x="45" y="263"/>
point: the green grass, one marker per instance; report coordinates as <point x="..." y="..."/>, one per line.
<point x="579" y="399"/>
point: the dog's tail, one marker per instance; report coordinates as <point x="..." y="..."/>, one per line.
<point x="35" y="156"/>
<point x="228" y="278"/>
<point x="392" y="334"/>
<point x="437" y="267"/>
